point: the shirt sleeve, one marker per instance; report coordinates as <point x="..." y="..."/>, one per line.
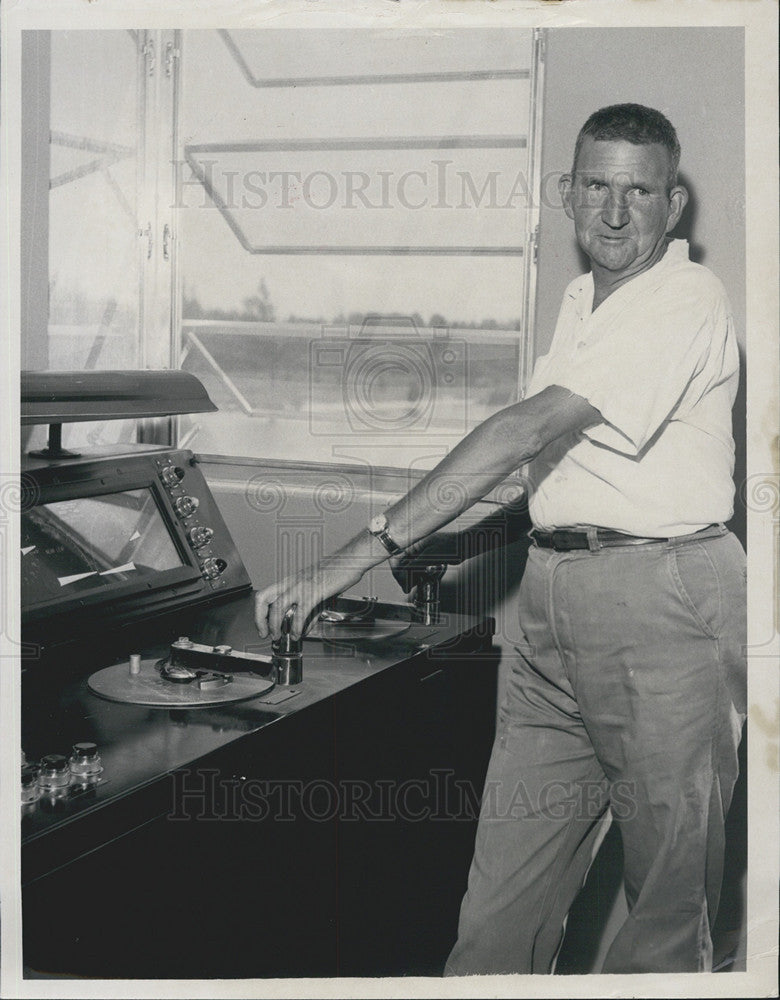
<point x="638" y="369"/>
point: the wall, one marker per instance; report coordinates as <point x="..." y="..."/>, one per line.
<point x="36" y="46"/>
<point x="695" y="76"/>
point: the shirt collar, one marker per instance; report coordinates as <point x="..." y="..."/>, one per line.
<point x="676" y="252"/>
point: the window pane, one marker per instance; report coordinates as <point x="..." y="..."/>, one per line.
<point x="300" y="209"/>
<point x="93" y="240"/>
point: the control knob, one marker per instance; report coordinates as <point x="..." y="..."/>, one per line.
<point x="54" y="775"/>
<point x="30" y="790"/>
<point x="199" y="536"/>
<point x="212" y="568"/>
<point x="85" y="763"/>
<point x="172" y="475"/>
<point x="185" y="505"/>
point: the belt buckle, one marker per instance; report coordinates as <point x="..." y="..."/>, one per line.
<point x="565" y="540"/>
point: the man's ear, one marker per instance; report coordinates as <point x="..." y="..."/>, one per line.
<point x="565" y="190"/>
<point x="678" y="199"/>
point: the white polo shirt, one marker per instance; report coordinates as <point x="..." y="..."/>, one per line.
<point x="659" y="360"/>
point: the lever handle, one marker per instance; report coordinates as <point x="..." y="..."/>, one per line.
<point x="286" y="654"/>
<point x="426" y="594"/>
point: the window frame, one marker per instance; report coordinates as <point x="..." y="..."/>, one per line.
<point x="160" y="327"/>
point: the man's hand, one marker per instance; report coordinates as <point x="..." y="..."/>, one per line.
<point x="407" y="567"/>
<point x="479" y="462"/>
<point x="306" y="592"/>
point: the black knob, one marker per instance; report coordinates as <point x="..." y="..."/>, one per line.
<point x="86" y="750"/>
<point x="54" y="763"/>
<point x="54" y="774"/>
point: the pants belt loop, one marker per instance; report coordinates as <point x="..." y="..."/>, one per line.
<point x="593" y="539"/>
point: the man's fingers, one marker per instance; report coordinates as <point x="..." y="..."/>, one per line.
<point x="276" y="612"/>
<point x="263" y="600"/>
<point x="298" y="621"/>
<point x="303" y="594"/>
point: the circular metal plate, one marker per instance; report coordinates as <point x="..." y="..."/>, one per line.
<point x="116" y="683"/>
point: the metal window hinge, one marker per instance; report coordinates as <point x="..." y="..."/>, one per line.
<point x="542" y="43"/>
<point x="147" y="50"/>
<point x="166" y="242"/>
<point x="147" y="232"/>
<point x="171" y="53"/>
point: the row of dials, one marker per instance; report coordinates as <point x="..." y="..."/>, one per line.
<point x="55" y="776"/>
<point x="198" y="535"/>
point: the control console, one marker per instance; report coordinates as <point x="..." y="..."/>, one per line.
<point x="114" y="538"/>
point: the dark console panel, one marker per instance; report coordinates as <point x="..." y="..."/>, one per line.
<point x="192" y="807"/>
<point x="118" y="538"/>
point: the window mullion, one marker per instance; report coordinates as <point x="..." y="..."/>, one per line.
<point x="156" y="199"/>
<point x="528" y="317"/>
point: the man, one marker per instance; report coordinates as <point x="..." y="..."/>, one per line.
<point x="629" y="694"/>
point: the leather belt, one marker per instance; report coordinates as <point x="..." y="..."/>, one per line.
<point x="566" y="539"/>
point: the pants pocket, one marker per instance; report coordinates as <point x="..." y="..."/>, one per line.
<point x="698" y="586"/>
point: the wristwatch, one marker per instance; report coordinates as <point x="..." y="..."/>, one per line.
<point x="378" y="527"/>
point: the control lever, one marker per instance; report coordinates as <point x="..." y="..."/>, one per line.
<point x="188" y="661"/>
<point x="426" y="593"/>
<point x="287" y="654"/>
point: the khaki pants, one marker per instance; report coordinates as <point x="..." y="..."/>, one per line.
<point x="628" y="695"/>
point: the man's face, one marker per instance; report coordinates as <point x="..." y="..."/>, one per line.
<point x="621" y="205"/>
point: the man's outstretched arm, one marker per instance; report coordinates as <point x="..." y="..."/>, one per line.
<point x="479" y="462"/>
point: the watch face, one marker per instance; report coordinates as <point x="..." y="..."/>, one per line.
<point x="377" y="524"/>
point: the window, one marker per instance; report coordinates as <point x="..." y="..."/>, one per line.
<point x="354" y="221"/>
<point x="333" y="229"/>
<point x="98" y="143"/>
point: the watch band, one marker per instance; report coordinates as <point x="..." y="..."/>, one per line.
<point x="378" y="527"/>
